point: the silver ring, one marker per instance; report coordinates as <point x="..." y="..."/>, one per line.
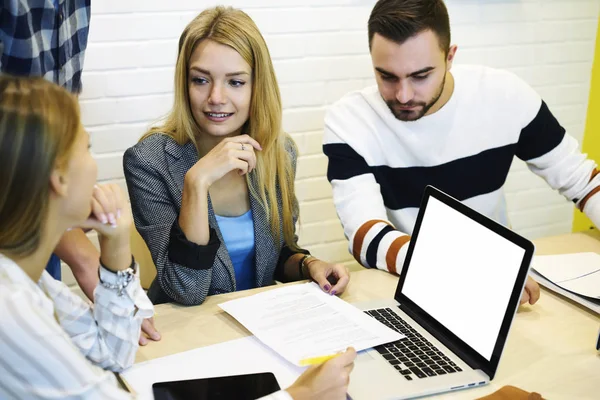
<point x="243" y="147"/>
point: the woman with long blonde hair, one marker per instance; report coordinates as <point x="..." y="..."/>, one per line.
<point x="54" y="345"/>
<point x="212" y="189"/>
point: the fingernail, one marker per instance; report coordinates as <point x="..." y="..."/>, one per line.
<point x="119" y="213"/>
<point x="156" y="336"/>
<point x="333" y="292"/>
<point x="103" y="218"/>
<point x="111" y="218"/>
<point x="327" y="287"/>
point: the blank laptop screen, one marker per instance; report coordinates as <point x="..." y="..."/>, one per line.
<point x="462" y="274"/>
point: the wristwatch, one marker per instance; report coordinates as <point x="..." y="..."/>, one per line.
<point x="117" y="280"/>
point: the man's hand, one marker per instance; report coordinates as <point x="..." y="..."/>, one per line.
<point x="531" y="292"/>
<point x="148" y="332"/>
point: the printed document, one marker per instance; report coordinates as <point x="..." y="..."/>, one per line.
<point x="301" y="322"/>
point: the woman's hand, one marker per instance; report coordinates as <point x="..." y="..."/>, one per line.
<point x="326" y="381"/>
<point x="230" y="154"/>
<point x="322" y="272"/>
<point x="111" y="218"/>
<point x="149" y="332"/>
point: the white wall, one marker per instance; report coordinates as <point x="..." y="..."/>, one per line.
<point x="320" y="52"/>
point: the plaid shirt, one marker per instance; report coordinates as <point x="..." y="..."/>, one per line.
<point x="38" y="38"/>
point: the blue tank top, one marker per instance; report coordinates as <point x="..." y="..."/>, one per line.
<point x="238" y="234"/>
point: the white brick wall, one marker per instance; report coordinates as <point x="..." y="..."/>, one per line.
<point x="320" y="52"/>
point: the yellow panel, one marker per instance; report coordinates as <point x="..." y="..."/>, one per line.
<point x="591" y="140"/>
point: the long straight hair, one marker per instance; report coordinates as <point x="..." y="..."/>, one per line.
<point x="274" y="171"/>
<point x="39" y="122"/>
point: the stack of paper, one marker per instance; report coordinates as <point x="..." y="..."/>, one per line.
<point x="298" y="322"/>
<point x="301" y="322"/>
<point x="237" y="357"/>
<point x="576" y="276"/>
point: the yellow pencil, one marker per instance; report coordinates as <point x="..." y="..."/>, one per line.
<point x="124" y="384"/>
<point x="318" y="360"/>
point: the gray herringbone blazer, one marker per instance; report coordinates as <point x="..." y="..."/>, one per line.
<point x="154" y="170"/>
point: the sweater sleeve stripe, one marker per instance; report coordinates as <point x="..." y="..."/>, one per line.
<point x="540" y="136"/>
<point x="359" y="239"/>
<point x="588" y="196"/>
<point x="373" y="248"/>
<point x="594" y="189"/>
<point x="377" y="244"/>
<point x="344" y="162"/>
<point x="384" y="247"/>
<point x="392" y="255"/>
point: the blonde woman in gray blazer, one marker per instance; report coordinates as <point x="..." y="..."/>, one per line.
<point x="212" y="189"/>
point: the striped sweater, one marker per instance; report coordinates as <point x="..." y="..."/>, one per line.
<point x="379" y="166"/>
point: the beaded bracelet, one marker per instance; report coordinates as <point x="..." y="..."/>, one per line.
<point x="124" y="277"/>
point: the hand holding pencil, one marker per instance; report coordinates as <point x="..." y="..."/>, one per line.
<point x="325" y="380"/>
<point x="307" y="362"/>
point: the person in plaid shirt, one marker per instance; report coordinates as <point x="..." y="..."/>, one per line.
<point x="45" y="38"/>
<point x="48" y="38"/>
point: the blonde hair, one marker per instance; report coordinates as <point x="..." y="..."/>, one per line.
<point x="274" y="170"/>
<point x="39" y="122"/>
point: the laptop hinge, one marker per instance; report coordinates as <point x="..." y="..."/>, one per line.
<point x="453" y="347"/>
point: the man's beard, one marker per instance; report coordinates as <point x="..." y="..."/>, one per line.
<point x="413" y="115"/>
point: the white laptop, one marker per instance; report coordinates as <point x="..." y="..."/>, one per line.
<point x="456" y="298"/>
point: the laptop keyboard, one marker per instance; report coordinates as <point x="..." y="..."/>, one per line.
<point x="413" y="355"/>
